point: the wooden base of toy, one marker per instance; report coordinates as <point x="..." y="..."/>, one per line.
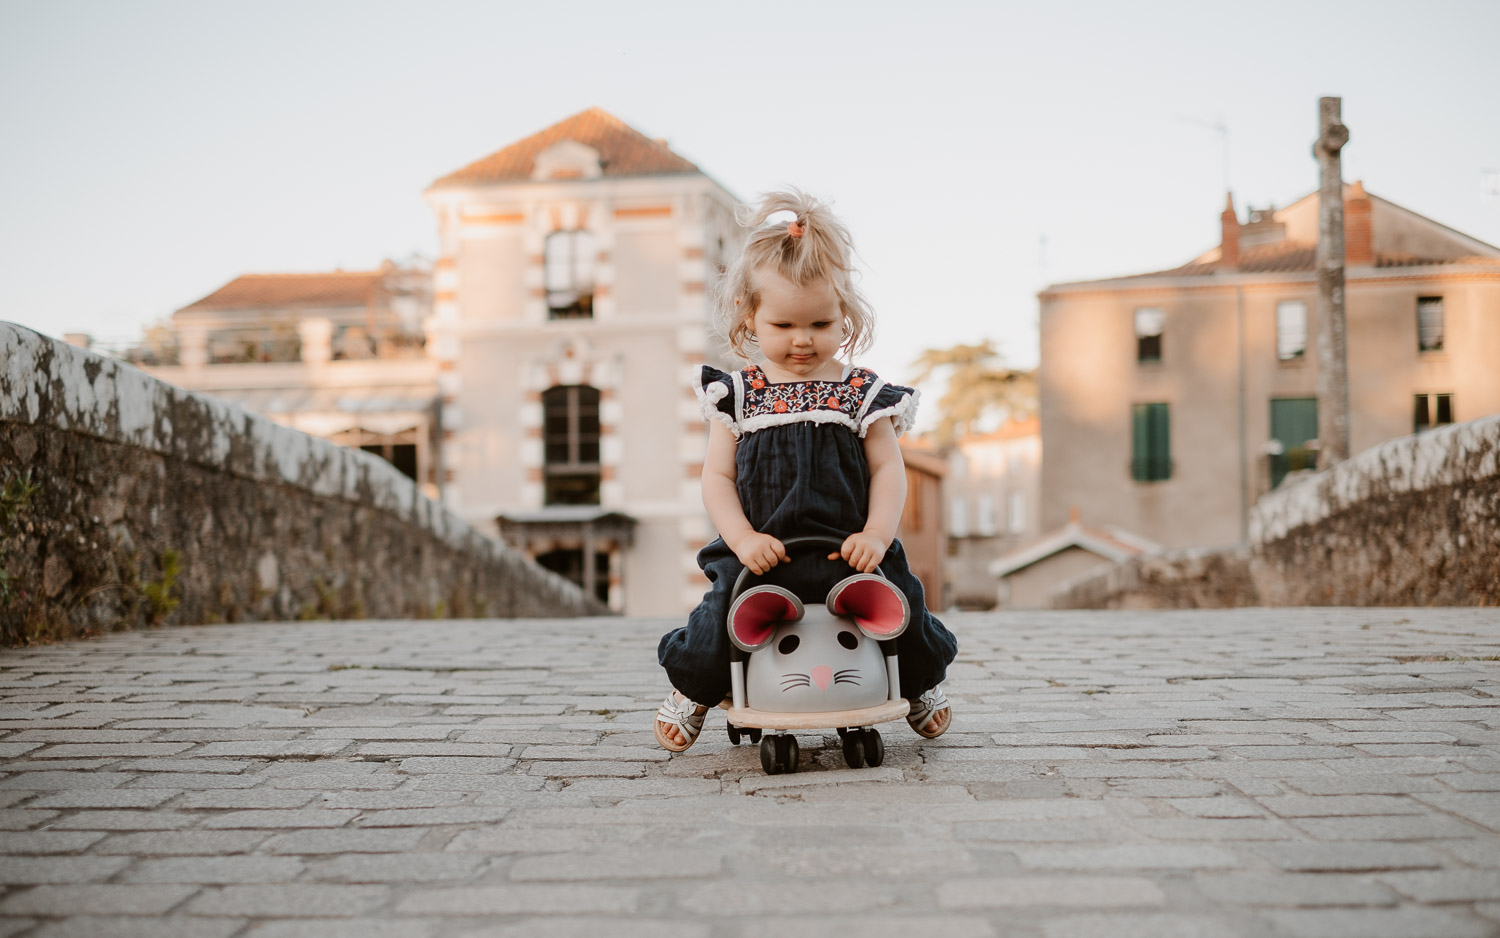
<point x="749" y="718"/>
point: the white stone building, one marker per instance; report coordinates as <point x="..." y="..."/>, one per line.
<point x="571" y="301"/>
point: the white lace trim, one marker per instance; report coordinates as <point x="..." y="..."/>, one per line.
<point x="761" y="421"/>
<point x="903" y="414"/>
<point x="709" y="395"/>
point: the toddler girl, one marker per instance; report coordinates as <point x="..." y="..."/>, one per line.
<point x="801" y="443"/>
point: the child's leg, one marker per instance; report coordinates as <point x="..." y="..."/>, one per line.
<point x="696" y="656"/>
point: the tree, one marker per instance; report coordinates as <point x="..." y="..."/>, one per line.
<point x="978" y="386"/>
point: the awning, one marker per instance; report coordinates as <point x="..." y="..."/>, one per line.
<point x="567" y="521"/>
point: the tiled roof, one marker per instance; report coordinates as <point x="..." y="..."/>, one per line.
<point x="1291" y="256"/>
<point x="623" y="151"/>
<point x="253" y="291"/>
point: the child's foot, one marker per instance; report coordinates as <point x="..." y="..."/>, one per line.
<point x="931" y="713"/>
<point x="678" y="722"/>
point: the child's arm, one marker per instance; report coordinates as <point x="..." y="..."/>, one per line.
<point x="865" y="549"/>
<point x="759" y="552"/>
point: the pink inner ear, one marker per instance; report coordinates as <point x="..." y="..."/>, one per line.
<point x="874" y="603"/>
<point x="756" y="615"/>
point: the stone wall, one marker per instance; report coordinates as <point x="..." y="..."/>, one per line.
<point x="126" y="502"/>
<point x="1199" y="578"/>
<point x="1412" y="522"/>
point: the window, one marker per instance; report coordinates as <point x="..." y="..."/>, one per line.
<point x="958" y="517"/>
<point x="986" y="523"/>
<point x="1423" y="416"/>
<point x="399" y="449"/>
<point x="1294" y="427"/>
<point x="1149" y="323"/>
<point x="1291" y="329"/>
<point x="570" y="435"/>
<point x="568" y="260"/>
<point x="1429" y="323"/>
<point x="1017" y="513"/>
<point x="1151" y="447"/>
<point x="568" y="563"/>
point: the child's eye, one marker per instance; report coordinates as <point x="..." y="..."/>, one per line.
<point x="823" y="324"/>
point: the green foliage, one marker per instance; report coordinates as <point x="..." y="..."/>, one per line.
<point x="15" y="495"/>
<point x="978" y="385"/>
<point x="158" y="593"/>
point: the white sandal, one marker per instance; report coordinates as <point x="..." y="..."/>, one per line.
<point x="924" y="707"/>
<point x="681" y="714"/>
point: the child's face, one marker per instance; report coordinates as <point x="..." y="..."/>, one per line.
<point x="799" y="328"/>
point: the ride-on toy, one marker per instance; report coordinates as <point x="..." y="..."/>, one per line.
<point x="796" y="667"/>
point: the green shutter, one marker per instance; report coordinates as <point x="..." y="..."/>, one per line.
<point x="1294" y="422"/>
<point x="1161" y="443"/>
<point x="1150" y="443"/>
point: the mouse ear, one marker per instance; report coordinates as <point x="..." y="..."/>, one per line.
<point x="876" y="606"/>
<point x="754" y="616"/>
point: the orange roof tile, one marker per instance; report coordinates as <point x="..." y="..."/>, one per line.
<point x="623" y="151"/>
<point x="252" y="291"/>
<point x="1288" y="256"/>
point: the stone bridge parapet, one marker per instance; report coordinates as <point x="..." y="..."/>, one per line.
<point x="1414" y="521"/>
<point x="129" y="502"/>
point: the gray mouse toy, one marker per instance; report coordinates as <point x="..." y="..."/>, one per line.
<point x="819" y="658"/>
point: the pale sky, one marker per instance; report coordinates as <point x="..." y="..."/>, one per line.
<point x="152" y="151"/>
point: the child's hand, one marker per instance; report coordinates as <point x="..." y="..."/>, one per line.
<point x="759" y="552"/>
<point x="863" y="551"/>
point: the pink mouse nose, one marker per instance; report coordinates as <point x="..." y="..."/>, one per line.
<point x="821" y="675"/>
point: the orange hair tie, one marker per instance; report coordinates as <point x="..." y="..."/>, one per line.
<point x="795" y="230"/>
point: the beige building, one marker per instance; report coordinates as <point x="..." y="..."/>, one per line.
<point x="338" y="355"/>
<point x="994" y="493"/>
<point x="571" y="302"/>
<point x="1171" y="401"/>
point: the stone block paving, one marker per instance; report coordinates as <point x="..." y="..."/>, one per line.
<point x="1307" y="773"/>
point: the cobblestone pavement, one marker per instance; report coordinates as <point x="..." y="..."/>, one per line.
<point x="1326" y="772"/>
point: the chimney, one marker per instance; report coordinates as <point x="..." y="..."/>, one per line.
<point x="1229" y="243"/>
<point x="1359" y="231"/>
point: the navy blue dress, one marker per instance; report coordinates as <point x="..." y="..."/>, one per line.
<point x="800" y="469"/>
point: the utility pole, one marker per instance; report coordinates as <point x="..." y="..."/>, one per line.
<point x="1333" y="358"/>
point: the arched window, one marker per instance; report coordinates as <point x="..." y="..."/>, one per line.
<point x="570" y="435"/>
<point x="568" y="260"/>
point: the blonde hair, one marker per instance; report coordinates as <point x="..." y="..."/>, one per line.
<point x="822" y="250"/>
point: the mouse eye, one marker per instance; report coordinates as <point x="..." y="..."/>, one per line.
<point x="788" y="645"/>
<point x="849" y="640"/>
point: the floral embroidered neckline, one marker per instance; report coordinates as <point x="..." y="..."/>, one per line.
<point x="756" y="378"/>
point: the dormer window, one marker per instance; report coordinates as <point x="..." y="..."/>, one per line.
<point x="567" y="159"/>
<point x="569" y="258"/>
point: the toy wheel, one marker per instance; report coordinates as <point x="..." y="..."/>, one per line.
<point x="734" y="733"/>
<point x="854" y="749"/>
<point x="874" y="747"/>
<point x="843" y="732"/>
<point x="788" y="751"/>
<point x="768" y="756"/>
<point x="754" y="735"/>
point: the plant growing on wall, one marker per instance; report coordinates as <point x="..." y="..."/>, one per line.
<point x="158" y="593"/>
<point x="15" y="495"/>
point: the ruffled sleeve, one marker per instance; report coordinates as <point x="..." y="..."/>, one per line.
<point x="890" y="400"/>
<point x="716" y="396"/>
